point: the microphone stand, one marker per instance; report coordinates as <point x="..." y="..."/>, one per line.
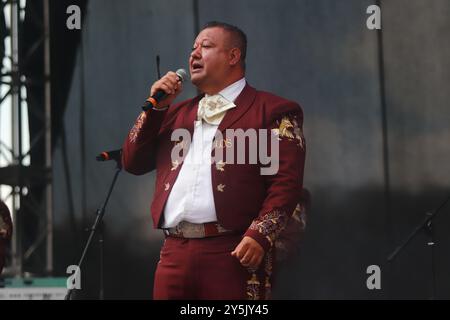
<point x="97" y="227"/>
<point x="426" y="224"/>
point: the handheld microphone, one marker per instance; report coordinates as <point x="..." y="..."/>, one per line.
<point x="110" y="155"/>
<point x="161" y="94"/>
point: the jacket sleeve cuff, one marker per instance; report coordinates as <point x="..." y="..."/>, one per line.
<point x="258" y="237"/>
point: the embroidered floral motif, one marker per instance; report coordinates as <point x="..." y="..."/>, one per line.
<point x="212" y="105"/>
<point x="285" y="128"/>
<point x="298" y="134"/>
<point x="253" y="287"/>
<point x="221" y="187"/>
<point x="268" y="268"/>
<point x="137" y="127"/>
<point x="296" y="212"/>
<point x="270" y="225"/>
<point x="212" y="109"/>
<point x="175" y="165"/>
<point x="220" y="165"/>
<point x="299" y="215"/>
<point x="255" y="291"/>
<point x="288" y="128"/>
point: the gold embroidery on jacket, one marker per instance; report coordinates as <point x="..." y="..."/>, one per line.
<point x="253" y="287"/>
<point x="220" y="165"/>
<point x="289" y="128"/>
<point x="268" y="268"/>
<point x="296" y="213"/>
<point x="298" y="134"/>
<point x="221" y="187"/>
<point x="270" y="225"/>
<point x="175" y="165"/>
<point x="285" y="128"/>
<point x="299" y="215"/>
<point x="137" y="127"/>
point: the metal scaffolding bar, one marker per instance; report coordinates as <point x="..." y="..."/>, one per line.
<point x="48" y="138"/>
<point x="16" y="131"/>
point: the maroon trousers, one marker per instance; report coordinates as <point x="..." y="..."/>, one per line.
<point x="205" y="269"/>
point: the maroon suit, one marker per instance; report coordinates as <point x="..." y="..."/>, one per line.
<point x="247" y="202"/>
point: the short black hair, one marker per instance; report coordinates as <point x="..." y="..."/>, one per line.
<point x="239" y="37"/>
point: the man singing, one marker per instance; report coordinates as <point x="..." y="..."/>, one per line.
<point x="220" y="218"/>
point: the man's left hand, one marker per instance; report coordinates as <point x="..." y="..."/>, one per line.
<point x="249" y="252"/>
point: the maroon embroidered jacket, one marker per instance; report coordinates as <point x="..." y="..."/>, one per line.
<point x="257" y="205"/>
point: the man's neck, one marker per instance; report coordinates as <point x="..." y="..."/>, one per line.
<point x="225" y="84"/>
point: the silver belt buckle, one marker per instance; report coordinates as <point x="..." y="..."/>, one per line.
<point x="191" y="230"/>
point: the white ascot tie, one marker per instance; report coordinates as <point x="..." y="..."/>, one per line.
<point x="212" y="109"/>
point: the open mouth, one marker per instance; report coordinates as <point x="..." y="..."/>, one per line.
<point x="196" y="66"/>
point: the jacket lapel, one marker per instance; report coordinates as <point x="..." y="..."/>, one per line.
<point x="191" y="116"/>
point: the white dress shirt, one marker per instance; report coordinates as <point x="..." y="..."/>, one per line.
<point x="191" y="198"/>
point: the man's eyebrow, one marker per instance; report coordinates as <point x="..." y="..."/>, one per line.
<point x="207" y="39"/>
<point x="203" y="41"/>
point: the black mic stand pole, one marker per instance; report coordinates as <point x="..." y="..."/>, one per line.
<point x="98" y="226"/>
<point x="428" y="226"/>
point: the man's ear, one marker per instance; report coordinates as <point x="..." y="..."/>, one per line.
<point x="235" y="56"/>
